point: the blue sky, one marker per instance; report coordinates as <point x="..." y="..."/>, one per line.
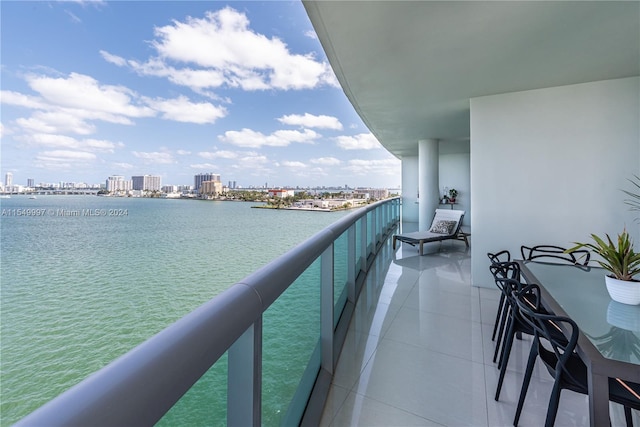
<point x="175" y="88"/>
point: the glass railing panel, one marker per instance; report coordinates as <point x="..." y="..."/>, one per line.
<point x="291" y="332"/>
<point x="205" y="403"/>
<point x="371" y="234"/>
<point x="340" y="275"/>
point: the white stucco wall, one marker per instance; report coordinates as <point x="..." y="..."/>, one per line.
<point x="410" y="189"/>
<point x="454" y="173"/>
<point x="548" y="166"/>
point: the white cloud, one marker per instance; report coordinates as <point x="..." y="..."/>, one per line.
<point x="21" y="100"/>
<point x="378" y="167"/>
<point x="183" y="152"/>
<point x="73" y="17"/>
<point x="101" y="145"/>
<point x="68" y="104"/>
<point x="47" y="140"/>
<point x="84" y="93"/>
<point x="294" y="165"/>
<point x="86" y="2"/>
<point x="311" y="121"/>
<point x="252" y="162"/>
<point x="114" y="59"/>
<point x="70" y="154"/>
<point x="126" y="166"/>
<point x="362" y="141"/>
<point x="279" y="138"/>
<point x="155" y="157"/>
<point x="311" y="34"/>
<point x="326" y="161"/>
<point x="203" y="166"/>
<point x="220" y="154"/>
<point x="221" y="49"/>
<point x="182" y="110"/>
<point x="63" y="159"/>
<point x="59" y="121"/>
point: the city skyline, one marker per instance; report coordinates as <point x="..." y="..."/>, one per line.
<point x="94" y="89"/>
<point x="8" y="184"/>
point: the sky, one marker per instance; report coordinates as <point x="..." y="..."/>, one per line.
<point x="176" y="88"/>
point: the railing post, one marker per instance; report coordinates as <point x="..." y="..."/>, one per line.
<point x="385" y="218"/>
<point x="351" y="263"/>
<point x="244" y="384"/>
<point x="326" y="309"/>
<point x="364" y="239"/>
<point x="374" y="228"/>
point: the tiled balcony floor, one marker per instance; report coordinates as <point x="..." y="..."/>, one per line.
<point x="419" y="352"/>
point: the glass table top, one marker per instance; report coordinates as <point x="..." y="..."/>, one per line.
<point x="612" y="327"/>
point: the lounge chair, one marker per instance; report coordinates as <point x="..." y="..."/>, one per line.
<point x="445" y="226"/>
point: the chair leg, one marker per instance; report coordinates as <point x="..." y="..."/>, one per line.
<point x="627" y="416"/>
<point x="504" y="326"/>
<point x="504" y="358"/>
<point x="533" y="354"/>
<point x="498" y="316"/>
<point x="554" y="400"/>
<point x="508" y="342"/>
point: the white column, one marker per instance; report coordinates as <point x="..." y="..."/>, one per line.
<point x="410" y="189"/>
<point x="428" y="158"/>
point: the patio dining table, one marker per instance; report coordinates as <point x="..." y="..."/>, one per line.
<point x="609" y="340"/>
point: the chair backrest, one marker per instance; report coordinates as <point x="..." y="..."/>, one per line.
<point x="449" y="218"/>
<point x="502" y="256"/>
<point x="555" y="253"/>
<point x="505" y="270"/>
<point x="528" y="301"/>
<point x="510" y="287"/>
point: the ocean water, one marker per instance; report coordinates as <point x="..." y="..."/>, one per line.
<point x="84" y="279"/>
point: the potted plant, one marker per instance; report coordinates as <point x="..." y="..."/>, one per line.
<point x="622" y="262"/>
<point x="453" y="193"/>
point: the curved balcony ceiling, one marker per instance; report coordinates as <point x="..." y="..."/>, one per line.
<point x="410" y="68"/>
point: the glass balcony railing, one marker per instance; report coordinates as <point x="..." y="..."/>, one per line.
<point x="260" y="353"/>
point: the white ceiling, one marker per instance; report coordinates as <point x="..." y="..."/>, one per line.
<point x="410" y="68"/>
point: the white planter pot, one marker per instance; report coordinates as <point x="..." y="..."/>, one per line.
<point x="623" y="291"/>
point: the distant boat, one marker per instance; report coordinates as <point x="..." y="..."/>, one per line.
<point x="32" y="197"/>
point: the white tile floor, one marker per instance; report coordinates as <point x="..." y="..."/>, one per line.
<point x="419" y="352"/>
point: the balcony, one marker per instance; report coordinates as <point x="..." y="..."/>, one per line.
<point x="419" y="352"/>
<point x="404" y="341"/>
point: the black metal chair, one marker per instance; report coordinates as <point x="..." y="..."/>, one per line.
<point x="515" y="326"/>
<point x="561" y="360"/>
<point x="555" y="253"/>
<point x="499" y="272"/>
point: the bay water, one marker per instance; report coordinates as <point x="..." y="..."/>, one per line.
<point x="84" y="279"/>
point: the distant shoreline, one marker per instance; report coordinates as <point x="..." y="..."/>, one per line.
<point x="290" y="208"/>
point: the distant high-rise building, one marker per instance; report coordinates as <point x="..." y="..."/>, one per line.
<point x="30" y="182"/>
<point x="203" y="177"/>
<point x="147" y="182"/>
<point x="117" y="183"/>
<point x="211" y="188"/>
<point x="8" y="179"/>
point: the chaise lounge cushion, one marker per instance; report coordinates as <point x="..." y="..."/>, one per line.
<point x="443" y="227"/>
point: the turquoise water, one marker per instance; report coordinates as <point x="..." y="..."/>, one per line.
<point x="77" y="291"/>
